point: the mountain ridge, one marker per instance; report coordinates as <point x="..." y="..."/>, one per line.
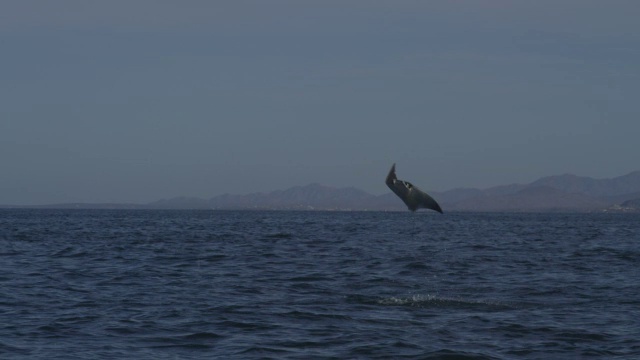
<point x="566" y="192"/>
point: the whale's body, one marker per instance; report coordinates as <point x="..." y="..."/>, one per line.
<point x="413" y="197"/>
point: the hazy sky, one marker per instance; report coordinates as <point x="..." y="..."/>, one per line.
<point x="133" y="101"/>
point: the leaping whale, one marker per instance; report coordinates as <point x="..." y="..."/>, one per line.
<point x="413" y="197"/>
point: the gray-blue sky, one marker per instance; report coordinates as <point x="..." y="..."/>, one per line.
<point x="119" y="101"/>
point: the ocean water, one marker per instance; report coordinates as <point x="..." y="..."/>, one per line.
<point x="118" y="284"/>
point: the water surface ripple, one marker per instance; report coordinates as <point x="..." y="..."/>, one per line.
<point x="204" y="284"/>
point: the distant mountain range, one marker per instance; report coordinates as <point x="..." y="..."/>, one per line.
<point x="568" y="193"/>
<point x="553" y="193"/>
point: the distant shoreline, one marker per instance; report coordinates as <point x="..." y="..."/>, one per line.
<point x="563" y="194"/>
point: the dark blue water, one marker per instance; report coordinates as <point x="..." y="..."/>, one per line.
<point x="207" y="284"/>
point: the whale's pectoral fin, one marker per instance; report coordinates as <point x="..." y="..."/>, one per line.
<point x="391" y="176"/>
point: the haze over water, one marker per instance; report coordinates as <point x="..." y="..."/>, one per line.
<point x="119" y="101"/>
